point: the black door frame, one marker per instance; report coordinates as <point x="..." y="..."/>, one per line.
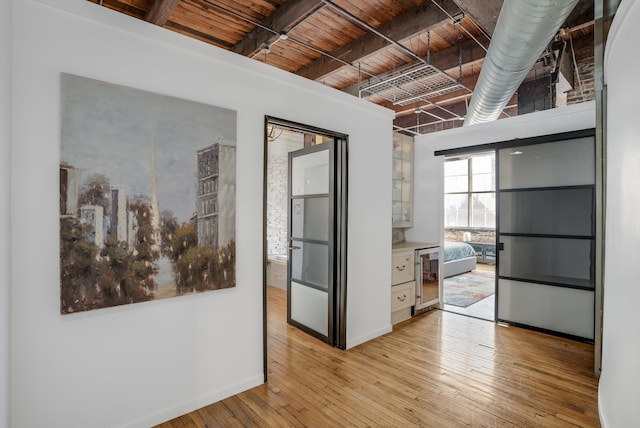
<point x="340" y="165"/>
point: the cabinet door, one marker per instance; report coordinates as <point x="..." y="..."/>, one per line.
<point x="402" y="177"/>
<point x="402" y="267"/>
<point x="403" y="296"/>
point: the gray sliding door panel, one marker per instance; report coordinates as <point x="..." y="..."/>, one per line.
<point x="547" y="260"/>
<point x="561" y="163"/>
<point x="546" y="235"/>
<point x="549" y="212"/>
<point x="559" y="309"/>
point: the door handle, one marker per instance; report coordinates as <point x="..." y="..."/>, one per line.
<point x="293" y="248"/>
<point x="500" y="246"/>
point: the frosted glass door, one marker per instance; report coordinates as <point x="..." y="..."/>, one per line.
<point x="310" y="239"/>
<point x="546" y="236"/>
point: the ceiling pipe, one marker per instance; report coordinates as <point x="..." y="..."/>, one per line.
<point x="523" y="31"/>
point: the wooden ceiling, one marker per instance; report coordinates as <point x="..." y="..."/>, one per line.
<point x="352" y="44"/>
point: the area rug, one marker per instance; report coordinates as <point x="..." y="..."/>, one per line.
<point x="468" y="288"/>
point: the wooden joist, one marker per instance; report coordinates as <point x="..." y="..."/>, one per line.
<point x="160" y="11"/>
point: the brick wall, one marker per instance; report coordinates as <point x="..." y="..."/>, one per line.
<point x="487" y="236"/>
<point x="277" y="177"/>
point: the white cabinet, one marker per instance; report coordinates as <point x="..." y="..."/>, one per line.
<point x="403" y="296"/>
<point x="415" y="284"/>
<point x="402" y="196"/>
<point x="403" y="284"/>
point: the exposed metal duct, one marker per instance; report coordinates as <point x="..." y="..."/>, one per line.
<point x="523" y="30"/>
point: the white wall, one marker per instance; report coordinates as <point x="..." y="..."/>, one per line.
<point x="5" y="203"/>
<point x="428" y="225"/>
<point x="140" y="364"/>
<point x="619" y="391"/>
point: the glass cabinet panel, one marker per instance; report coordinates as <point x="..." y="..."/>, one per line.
<point x="402" y="176"/>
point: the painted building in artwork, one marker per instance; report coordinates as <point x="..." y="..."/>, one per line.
<point x="216" y="188"/>
<point x="69" y="190"/>
<point x="119" y="214"/>
<point x="117" y="221"/>
<point x="93" y="215"/>
<point x="132" y="229"/>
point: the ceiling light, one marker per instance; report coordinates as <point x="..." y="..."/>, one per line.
<point x="265" y="48"/>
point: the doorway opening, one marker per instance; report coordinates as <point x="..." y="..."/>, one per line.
<point x="305" y="228"/>
<point x="469" y="282"/>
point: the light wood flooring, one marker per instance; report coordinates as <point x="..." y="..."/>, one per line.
<point x="435" y="370"/>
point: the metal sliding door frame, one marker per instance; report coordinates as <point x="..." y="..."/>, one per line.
<point x="597" y="263"/>
<point x="497" y="271"/>
<point x="518" y="142"/>
<point x="341" y="187"/>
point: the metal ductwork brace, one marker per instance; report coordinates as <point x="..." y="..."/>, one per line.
<point x="523" y="31"/>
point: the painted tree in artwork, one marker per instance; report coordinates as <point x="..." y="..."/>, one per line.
<point x="123" y="278"/>
<point x="95" y="191"/>
<point x="144" y="247"/>
<point x="168" y="226"/>
<point x="113" y="274"/>
<point x="79" y="268"/>
<point x="200" y="267"/>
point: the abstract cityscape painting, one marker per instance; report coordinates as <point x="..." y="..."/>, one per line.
<point x="147" y="196"/>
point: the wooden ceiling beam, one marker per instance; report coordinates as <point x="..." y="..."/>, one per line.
<point x="286" y="17"/>
<point x="484" y="12"/>
<point x="160" y="11"/>
<point x="417" y="20"/>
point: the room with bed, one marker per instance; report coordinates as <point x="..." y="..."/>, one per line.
<point x="459" y="257"/>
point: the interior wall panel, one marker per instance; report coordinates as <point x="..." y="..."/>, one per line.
<point x="137" y="365"/>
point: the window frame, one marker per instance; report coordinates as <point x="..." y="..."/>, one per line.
<point x="470" y="192"/>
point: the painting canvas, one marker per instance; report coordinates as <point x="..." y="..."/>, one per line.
<point x="147" y="196"/>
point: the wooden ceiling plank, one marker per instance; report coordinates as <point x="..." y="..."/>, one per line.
<point x="282" y="20"/>
<point x="583" y="12"/>
<point x="419" y="19"/>
<point x="314" y="32"/>
<point x="127" y="8"/>
<point x="212" y="22"/>
<point x="160" y="11"/>
<point x="190" y="31"/>
<point x="484" y="12"/>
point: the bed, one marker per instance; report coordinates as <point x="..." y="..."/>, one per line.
<point x="459" y="257"/>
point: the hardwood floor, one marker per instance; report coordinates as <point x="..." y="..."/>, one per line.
<point x="436" y="370"/>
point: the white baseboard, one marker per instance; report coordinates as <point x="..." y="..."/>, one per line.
<point x="601" y="413"/>
<point x="190" y="406"/>
<point x="368" y="336"/>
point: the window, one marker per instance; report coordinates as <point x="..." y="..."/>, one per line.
<point x="470" y="191"/>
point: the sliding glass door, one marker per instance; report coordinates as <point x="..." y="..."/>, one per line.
<point x="546" y="236"/>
